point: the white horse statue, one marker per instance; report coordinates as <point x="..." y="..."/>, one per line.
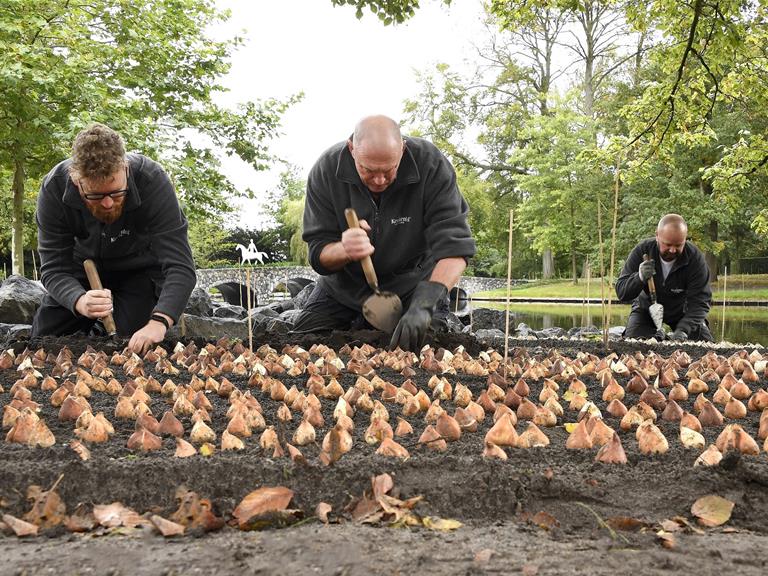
<point x="250" y="253"/>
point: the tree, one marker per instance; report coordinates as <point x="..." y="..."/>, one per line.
<point x="288" y="200"/>
<point x="148" y="69"/>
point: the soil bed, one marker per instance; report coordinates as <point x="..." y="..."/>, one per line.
<point x="495" y="500"/>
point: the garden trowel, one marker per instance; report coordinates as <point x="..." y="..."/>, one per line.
<point x="656" y="310"/>
<point x="382" y="309"/>
<point x="95" y="282"/>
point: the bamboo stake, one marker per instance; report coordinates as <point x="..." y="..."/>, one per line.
<point x="602" y="271"/>
<point x="725" y="285"/>
<point x="34" y="265"/>
<point x="509" y="288"/>
<point x="616" y="183"/>
<point x="248" y="296"/>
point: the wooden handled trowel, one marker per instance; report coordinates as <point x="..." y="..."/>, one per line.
<point x="95" y="282"/>
<point x="382" y="309"/>
<point x="656" y="310"/>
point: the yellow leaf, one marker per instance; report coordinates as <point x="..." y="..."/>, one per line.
<point x="712" y="510"/>
<point x="570" y="426"/>
<point x="441" y="524"/>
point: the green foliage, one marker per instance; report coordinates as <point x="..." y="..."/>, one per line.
<point x="288" y="202"/>
<point x="388" y="11"/>
<point x="148" y="69"/>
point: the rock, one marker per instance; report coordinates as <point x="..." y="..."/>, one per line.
<point x="199" y="303"/>
<point x="490" y="337"/>
<point x="289" y="316"/>
<point x="296" y="286"/>
<point x="524" y="330"/>
<point x="264" y="312"/>
<point x="281" y="306"/>
<point x="229" y="311"/>
<point x="14" y="331"/>
<point x="582" y="331"/>
<point x="485" y="318"/>
<point x="616" y="332"/>
<point x="211" y="329"/>
<point x="554" y="332"/>
<point x="19" y="299"/>
<point x="454" y="323"/>
<point x="301" y="298"/>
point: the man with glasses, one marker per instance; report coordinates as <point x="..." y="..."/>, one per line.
<point x="121" y="211"/>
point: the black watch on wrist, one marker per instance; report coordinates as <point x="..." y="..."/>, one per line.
<point x="162" y="320"/>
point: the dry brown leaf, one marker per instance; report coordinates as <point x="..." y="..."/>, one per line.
<point x="115" y="515"/>
<point x="47" y="508"/>
<point x="440" y="524"/>
<point x="81" y="520"/>
<point x="195" y="512"/>
<point x="712" y="510"/>
<point x="530" y="569"/>
<point x="262" y="501"/>
<point x="80" y="449"/>
<point x="166" y="527"/>
<point x="484" y="556"/>
<point x="626" y="523"/>
<point x="544" y="520"/>
<point x="666" y="539"/>
<point x="670" y="526"/>
<point x="322" y="511"/>
<point x="381" y="485"/>
<point x="19" y="527"/>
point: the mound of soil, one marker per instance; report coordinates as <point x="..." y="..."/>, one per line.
<point x="500" y="503"/>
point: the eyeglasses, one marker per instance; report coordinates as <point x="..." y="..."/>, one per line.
<point x="101" y="195"/>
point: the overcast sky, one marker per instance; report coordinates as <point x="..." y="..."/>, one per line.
<point x="347" y="69"/>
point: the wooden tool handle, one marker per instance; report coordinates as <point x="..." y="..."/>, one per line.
<point x="651" y="284"/>
<point x="95" y="282"/>
<point x="367" y="263"/>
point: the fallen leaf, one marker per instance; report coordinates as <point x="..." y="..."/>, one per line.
<point x="260" y="502"/>
<point x="19" y="527"/>
<point x="484" y="556"/>
<point x="81" y="520"/>
<point x="440" y="524"/>
<point x="364" y="508"/>
<point x="570" y="426"/>
<point x="47" y="508"/>
<point x="116" y="514"/>
<point x="207" y="449"/>
<point x="166" y="527"/>
<point x="683" y="522"/>
<point x="530" y="569"/>
<point x="549" y="473"/>
<point x="666" y="539"/>
<point x="381" y="485"/>
<point x="544" y="520"/>
<point x="322" y="511"/>
<point x="195" y="512"/>
<point x="712" y="510"/>
<point x="670" y="526"/>
<point x="626" y="523"/>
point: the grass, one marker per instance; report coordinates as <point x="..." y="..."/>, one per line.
<point x="740" y="287"/>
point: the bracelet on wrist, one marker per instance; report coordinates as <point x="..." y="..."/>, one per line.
<point x="162" y="319"/>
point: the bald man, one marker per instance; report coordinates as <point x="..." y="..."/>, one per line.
<point x="681" y="277"/>
<point x="413" y="225"/>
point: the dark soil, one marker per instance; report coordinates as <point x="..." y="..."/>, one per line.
<point x="495" y="500"/>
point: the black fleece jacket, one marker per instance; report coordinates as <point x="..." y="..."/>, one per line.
<point x="420" y="219"/>
<point x="150" y="233"/>
<point x="685" y="294"/>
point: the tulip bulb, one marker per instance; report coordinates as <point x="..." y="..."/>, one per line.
<point x="202" y="433"/>
<point x="612" y="452"/>
<point x="448" y="427"/>
<point x="710" y="457"/>
<point x="432" y="439"/>
<point x="599" y="431"/>
<point x="184" y="449"/>
<point x="403" y="428"/>
<point x="144" y="441"/>
<point x="392" y="449"/>
<point x="616" y="408"/>
<point x="377" y="431"/>
<point x="579" y="439"/>
<point x="492" y="451"/>
<point x="691" y="439"/>
<point x="650" y="439"/>
<point x="735" y="409"/>
<point x="502" y="433"/>
<point x="532" y="437"/>
<point x="231" y="442"/>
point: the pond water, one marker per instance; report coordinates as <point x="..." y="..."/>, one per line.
<point x="742" y="324"/>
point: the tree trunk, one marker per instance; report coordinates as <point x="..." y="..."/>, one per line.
<point x="17" y="223"/>
<point x="711" y="257"/>
<point x="574" y="269"/>
<point x="547" y="264"/>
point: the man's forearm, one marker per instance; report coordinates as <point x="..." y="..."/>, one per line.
<point x="448" y="271"/>
<point x="334" y="257"/>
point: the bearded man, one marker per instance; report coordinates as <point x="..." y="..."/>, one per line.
<point x="681" y="277"/>
<point x="119" y="210"/>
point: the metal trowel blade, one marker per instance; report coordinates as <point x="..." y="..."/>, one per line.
<point x="657" y="314"/>
<point x="383" y="311"/>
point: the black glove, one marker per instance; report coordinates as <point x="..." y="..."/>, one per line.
<point x="410" y="332"/>
<point x="660" y="335"/>
<point x="678" y="335"/>
<point x="646" y="270"/>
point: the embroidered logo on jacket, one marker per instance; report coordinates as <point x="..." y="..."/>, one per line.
<point x="401" y="220"/>
<point x="120" y="234"/>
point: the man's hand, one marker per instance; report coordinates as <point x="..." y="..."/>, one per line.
<point x="646" y="270"/>
<point x="678" y="335"/>
<point x="356" y="243"/>
<point x="94" y="304"/>
<point x="143" y="339"/>
<point x="410" y="332"/>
